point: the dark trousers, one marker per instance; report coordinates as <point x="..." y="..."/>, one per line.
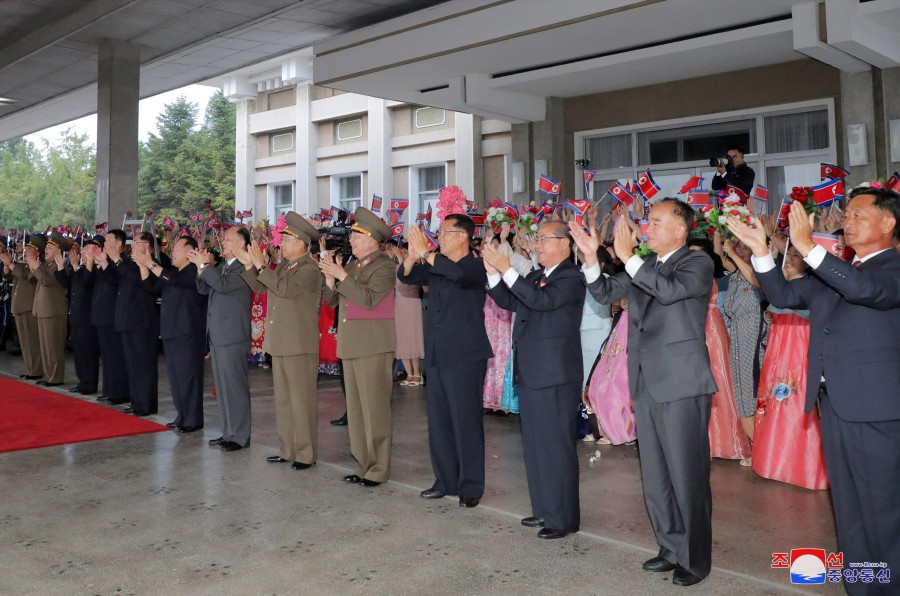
<point x="115" y="376"/>
<point x="229" y="369"/>
<point x="456" y="428"/>
<point x="549" y="436"/>
<point x="141" y="360"/>
<point x="673" y="440"/>
<point x="86" y="348"/>
<point x="184" y="366"/>
<point x="863" y="461"/>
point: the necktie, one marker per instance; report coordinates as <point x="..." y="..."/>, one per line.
<point x="659" y="264"/>
<point x="543" y="281"/>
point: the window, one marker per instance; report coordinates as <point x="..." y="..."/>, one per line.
<point x="426" y="117"/>
<point x="695" y="143"/>
<point x="610" y="152"/>
<point x="351" y="129"/>
<point x="282" y="142"/>
<point x="430" y="181"/>
<point x="804" y="131"/>
<point x="283" y="200"/>
<point x="349" y="190"/>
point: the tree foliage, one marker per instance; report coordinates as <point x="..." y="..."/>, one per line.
<point x="184" y="163"/>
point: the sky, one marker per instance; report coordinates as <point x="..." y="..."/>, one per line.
<point x="148" y="110"/>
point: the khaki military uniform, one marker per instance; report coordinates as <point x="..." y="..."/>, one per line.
<point x="51" y="310"/>
<point x="292" y="338"/>
<point x="23" y="288"/>
<point x="366" y="348"/>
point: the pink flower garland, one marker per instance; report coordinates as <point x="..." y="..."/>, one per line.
<point x="451" y="199"/>
<point x="278" y="229"/>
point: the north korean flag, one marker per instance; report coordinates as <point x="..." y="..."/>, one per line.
<point x="400" y="204"/>
<point x="826" y="193"/>
<point x="761" y="193"/>
<point x="168" y="224"/>
<point x="432" y="240"/>
<point x="691" y="184"/>
<point x="512" y="211"/>
<point x="893" y="182"/>
<point x="784" y="210"/>
<point x="376" y="204"/>
<point x="579" y="207"/>
<point x="735" y="195"/>
<point x="830" y="171"/>
<point x="183" y="230"/>
<point x="829" y="242"/>
<point x="621" y="194"/>
<point x="646" y="186"/>
<point x="394" y="215"/>
<point x="644" y="225"/>
<point x="397" y="230"/>
<point x="589" y="175"/>
<point x="325" y="212"/>
<point x="698" y="198"/>
<point x="548" y="186"/>
<point x="477" y="218"/>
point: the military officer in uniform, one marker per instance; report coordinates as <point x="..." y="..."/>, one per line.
<point x="294" y="290"/>
<point x="51" y="309"/>
<point x="23" y="301"/>
<point x="363" y="292"/>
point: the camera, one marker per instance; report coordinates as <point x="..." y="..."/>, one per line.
<point x="337" y="237"/>
<point x="721" y="162"/>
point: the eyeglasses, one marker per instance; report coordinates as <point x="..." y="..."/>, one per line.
<point x="541" y="239"/>
<point x="445" y="230"/>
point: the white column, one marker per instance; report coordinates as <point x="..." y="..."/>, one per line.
<point x="245" y="159"/>
<point x="468" y="154"/>
<point x="306" y="200"/>
<point x="381" y="176"/>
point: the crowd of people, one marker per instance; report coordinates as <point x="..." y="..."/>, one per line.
<point x="744" y="346"/>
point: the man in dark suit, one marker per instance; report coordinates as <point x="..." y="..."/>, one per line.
<point x="85" y="346"/>
<point x="456" y="354"/>
<point x="854" y="367"/>
<point x="547" y="366"/>
<point x="739" y="174"/>
<point x="228" y="331"/>
<point x="670" y="379"/>
<point x="137" y="321"/>
<point x="181" y="327"/>
<point x="103" y="317"/>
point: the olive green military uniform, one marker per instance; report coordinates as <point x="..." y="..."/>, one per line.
<point x="23" y="288"/>
<point x="294" y="291"/>
<point x="51" y="309"/>
<point x="366" y="348"/>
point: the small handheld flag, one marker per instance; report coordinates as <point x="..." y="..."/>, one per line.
<point x="830" y="171"/>
<point x="827" y="192"/>
<point x="761" y="193"/>
<point x="397" y="230"/>
<point x="400" y="204"/>
<point x="548" y="186"/>
<point x="376" y="204"/>
<point x="698" y="198"/>
<point x="893" y="182"/>
<point x="691" y="184"/>
<point x="621" y="194"/>
<point x="646" y="186"/>
<point x="735" y="195"/>
<point x="829" y="242"/>
<point x="580" y="207"/>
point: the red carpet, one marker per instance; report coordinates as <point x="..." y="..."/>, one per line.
<point x="33" y="417"/>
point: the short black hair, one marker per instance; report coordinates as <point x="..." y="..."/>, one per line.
<point x="463" y="222"/>
<point x="886" y="200"/>
<point x="119" y="235"/>
<point x="149" y="238"/>
<point x="736" y="147"/>
<point x="189" y="241"/>
<point x="682" y="210"/>
<point x="245" y="234"/>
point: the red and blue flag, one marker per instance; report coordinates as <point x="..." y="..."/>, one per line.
<point x="827" y="192"/>
<point x="830" y="171"/>
<point x="646" y="186"/>
<point x="548" y="186"/>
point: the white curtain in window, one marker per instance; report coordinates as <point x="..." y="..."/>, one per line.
<point x="610" y="152"/>
<point x="803" y="131"/>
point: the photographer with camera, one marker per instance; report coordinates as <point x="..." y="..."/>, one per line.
<point x="731" y="169"/>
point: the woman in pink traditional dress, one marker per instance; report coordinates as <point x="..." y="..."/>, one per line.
<point x="498" y="324"/>
<point x="727" y="439"/>
<point x="258" y="307"/>
<point x="787" y="442"/>
<point x="329" y="364"/>
<point x="608" y="390"/>
<point x="407" y="321"/>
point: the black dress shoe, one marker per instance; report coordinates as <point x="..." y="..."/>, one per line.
<point x="42" y="383"/>
<point x="352" y="479"/>
<point x="31" y="377"/>
<point x="219" y="441"/>
<point x="469" y="501"/>
<point x="432" y="493"/>
<point x="49" y="384"/>
<point x="189" y="429"/>
<point x="231" y="446"/>
<point x="75" y="389"/>
<point x="299" y="465"/>
<point x="23" y="376"/>
<point x="342" y="421"/>
<point x="276" y="459"/>
<point x="127" y="410"/>
<point x="171" y="424"/>
<point x="102" y="398"/>
<point x="658" y="564"/>
<point x="533" y="522"/>
<point x="116" y="402"/>
<point x="369" y="483"/>
<point x="683" y="577"/>
<point x="141" y="414"/>
<point x="551" y="534"/>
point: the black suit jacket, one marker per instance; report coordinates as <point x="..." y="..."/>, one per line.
<point x="135" y="304"/>
<point x="81" y="291"/>
<point x="454" y="332"/>
<point x="547" y="331"/>
<point x="741" y="176"/>
<point x="103" y="299"/>
<point x="182" y="309"/>
<point x="854" y="332"/>
<point x="667" y="309"/>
